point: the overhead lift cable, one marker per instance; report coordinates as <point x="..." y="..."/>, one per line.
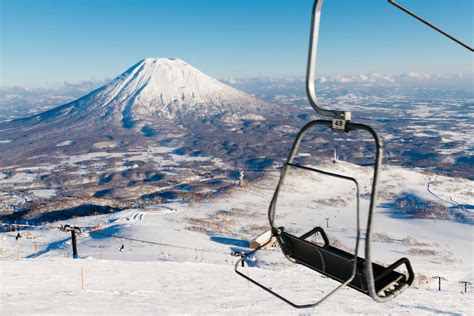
<point x="157" y="243"/>
<point x="431" y="25"/>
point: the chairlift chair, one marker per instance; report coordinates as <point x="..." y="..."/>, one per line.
<point x="380" y="283"/>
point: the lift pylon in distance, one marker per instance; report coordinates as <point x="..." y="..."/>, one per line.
<point x="380" y="283"/>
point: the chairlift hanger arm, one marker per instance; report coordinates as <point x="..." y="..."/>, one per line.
<point x="311" y="68"/>
<point x="431" y="25"/>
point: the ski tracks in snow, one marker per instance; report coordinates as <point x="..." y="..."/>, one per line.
<point x="430" y="191"/>
<point x="137" y="217"/>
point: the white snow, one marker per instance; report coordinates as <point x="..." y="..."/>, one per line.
<point x="169" y="267"/>
<point x="20" y="178"/>
<point x="53" y="286"/>
<point x="105" y="144"/>
<point x="168" y="85"/>
<point x="45" y="193"/>
<point x="65" y="143"/>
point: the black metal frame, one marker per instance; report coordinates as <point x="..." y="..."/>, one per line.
<point x="368" y="266"/>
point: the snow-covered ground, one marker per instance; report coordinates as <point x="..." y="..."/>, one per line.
<point x="54" y="286"/>
<point x="175" y="258"/>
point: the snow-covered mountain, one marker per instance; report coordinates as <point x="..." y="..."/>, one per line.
<point x="159" y="82"/>
<point x="155" y="93"/>
<point x="168" y="87"/>
<point x="155" y="88"/>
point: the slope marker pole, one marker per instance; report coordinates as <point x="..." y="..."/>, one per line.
<point x="82" y="278"/>
<point x="439" y="281"/>
<point x="465" y="285"/>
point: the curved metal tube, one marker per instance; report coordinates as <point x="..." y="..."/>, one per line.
<point x="272" y="208"/>
<point x="311" y="67"/>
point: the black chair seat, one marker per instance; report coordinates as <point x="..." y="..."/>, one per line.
<point x="338" y="264"/>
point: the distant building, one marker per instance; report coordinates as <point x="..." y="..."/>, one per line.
<point x="262" y="239"/>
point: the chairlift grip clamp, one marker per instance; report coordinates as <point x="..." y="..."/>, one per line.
<point x="341" y="124"/>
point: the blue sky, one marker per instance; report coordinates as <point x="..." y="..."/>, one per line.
<point x="47" y="42"/>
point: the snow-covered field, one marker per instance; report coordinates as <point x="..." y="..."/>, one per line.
<point x="175" y="258"/>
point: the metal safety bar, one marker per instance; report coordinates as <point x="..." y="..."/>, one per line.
<point x="368" y="273"/>
<point x="276" y="231"/>
<point x="378" y="147"/>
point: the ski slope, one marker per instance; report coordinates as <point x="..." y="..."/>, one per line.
<point x="176" y="257"/>
<point x="53" y="286"/>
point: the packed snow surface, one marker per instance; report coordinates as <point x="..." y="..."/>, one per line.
<point x="54" y="286"/>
